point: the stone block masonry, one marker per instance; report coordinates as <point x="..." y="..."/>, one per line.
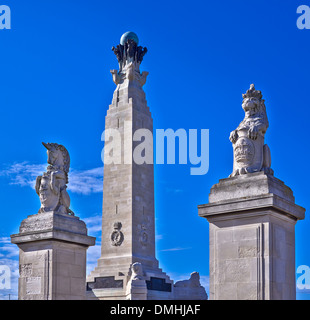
<point x="52" y="257"/>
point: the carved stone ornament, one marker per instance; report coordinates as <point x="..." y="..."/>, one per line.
<point x="25" y="270"/>
<point x="129" y="52"/>
<point x="136" y="271"/>
<point x="51" y="186"/>
<point x="250" y="152"/>
<point x="36" y="224"/>
<point x="143" y="237"/>
<point x="117" y="236"/>
<point x="192" y="282"/>
<point x="129" y="56"/>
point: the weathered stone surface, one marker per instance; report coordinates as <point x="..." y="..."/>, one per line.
<point x="242" y="187"/>
<point x="52" y="225"/>
<point x="52" y="257"/>
<point x="128" y="221"/>
<point x="250" y="192"/>
<point x="190" y="289"/>
<point x="252" y="238"/>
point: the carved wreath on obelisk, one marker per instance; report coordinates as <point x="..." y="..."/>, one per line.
<point x="117" y="236"/>
<point x="250" y="152"/>
<point x="51" y="186"/>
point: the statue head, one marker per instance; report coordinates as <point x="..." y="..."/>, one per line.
<point x="58" y="156"/>
<point x="252" y="101"/>
<point x="136" y="271"/>
<point x="49" y="198"/>
<point x="51" y="186"/>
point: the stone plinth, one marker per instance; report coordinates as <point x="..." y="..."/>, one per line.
<point x="252" y="221"/>
<point x="154" y="285"/>
<point x="52" y="257"/>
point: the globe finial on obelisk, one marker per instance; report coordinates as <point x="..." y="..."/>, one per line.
<point x="129" y="35"/>
<point x="129" y="56"/>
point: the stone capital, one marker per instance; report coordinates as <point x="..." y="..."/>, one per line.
<point x="250" y="193"/>
<point x="53" y="226"/>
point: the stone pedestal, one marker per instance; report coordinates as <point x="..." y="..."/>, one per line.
<point x="154" y="285"/>
<point x="252" y="221"/>
<point x="136" y="290"/>
<point x="52" y="257"/>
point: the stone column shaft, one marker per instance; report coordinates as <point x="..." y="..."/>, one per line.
<point x="252" y="238"/>
<point x="52" y="257"/>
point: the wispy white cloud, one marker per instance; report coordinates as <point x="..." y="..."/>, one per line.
<point x="80" y="181"/>
<point x="175" y="249"/>
<point x="86" y="181"/>
<point x="93" y="254"/>
<point x="4" y="240"/>
<point x="174" y="190"/>
<point x="94" y="224"/>
<point x="7" y="249"/>
<point x="159" y="237"/>
<point x="23" y="173"/>
<point x="169" y="187"/>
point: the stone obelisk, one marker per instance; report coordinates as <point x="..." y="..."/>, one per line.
<point x="252" y="217"/>
<point x="128" y="226"/>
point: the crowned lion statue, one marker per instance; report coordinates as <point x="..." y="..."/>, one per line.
<point x="251" y="154"/>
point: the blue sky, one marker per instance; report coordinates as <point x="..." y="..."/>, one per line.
<point x="202" y="55"/>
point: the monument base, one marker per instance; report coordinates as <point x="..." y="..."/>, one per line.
<point x="117" y="285"/>
<point x="151" y="284"/>
<point x="252" y="221"/>
<point x="52" y="257"/>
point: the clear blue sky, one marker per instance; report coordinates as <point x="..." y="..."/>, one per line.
<point x="56" y="86"/>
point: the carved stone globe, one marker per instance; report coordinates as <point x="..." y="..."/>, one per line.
<point x="129" y="35"/>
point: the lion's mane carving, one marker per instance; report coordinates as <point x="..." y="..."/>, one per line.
<point x="250" y="152"/>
